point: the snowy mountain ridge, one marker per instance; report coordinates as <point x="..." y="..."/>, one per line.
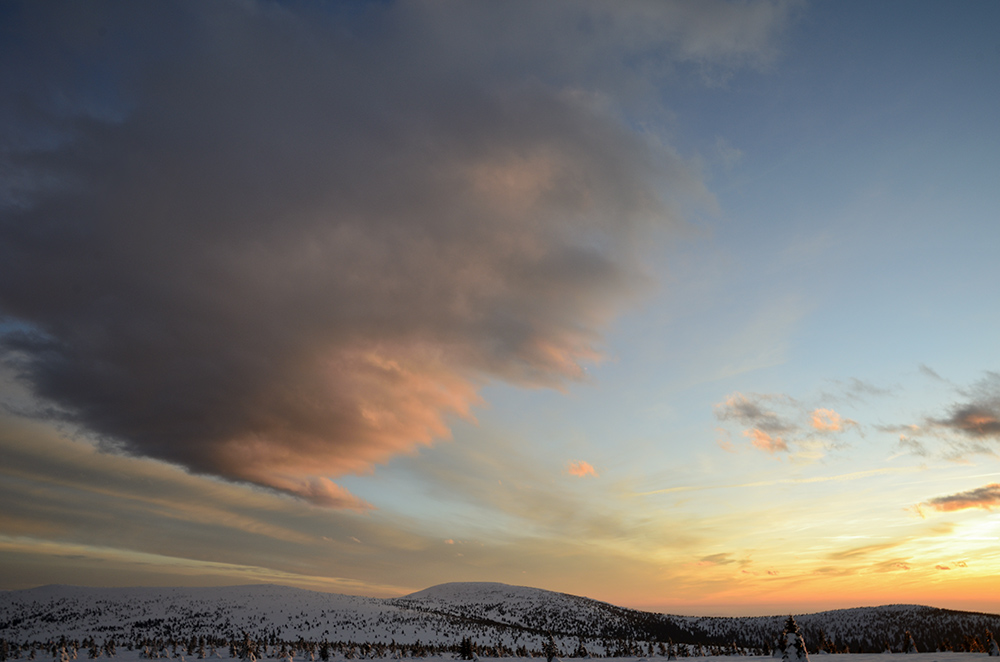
<point x="492" y="614"/>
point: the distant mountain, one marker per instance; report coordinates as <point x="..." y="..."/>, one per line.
<point x="493" y="615"/>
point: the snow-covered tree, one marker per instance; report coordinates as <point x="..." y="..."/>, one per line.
<point x="909" y="646"/>
<point x="792" y="647"/>
<point x="991" y="645"/>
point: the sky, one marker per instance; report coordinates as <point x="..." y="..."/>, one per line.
<point x="684" y="306"/>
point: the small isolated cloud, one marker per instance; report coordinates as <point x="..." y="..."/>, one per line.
<point x="717" y="559"/>
<point x="827" y="420"/>
<point x="961" y="564"/>
<point x="978" y="418"/>
<point x="974" y="421"/>
<point x="986" y="497"/>
<point x="581" y="469"/>
<point x="766" y="442"/>
<point x="773" y="573"/>
<point x="941" y="567"/>
<point x="752" y="411"/>
<point x="970" y="426"/>
<point x="900" y="566"/>
<point x="449" y="541"/>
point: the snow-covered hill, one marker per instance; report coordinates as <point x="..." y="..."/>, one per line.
<point x="495" y="615"/>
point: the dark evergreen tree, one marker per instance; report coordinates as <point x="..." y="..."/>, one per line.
<point x="550" y="649"/>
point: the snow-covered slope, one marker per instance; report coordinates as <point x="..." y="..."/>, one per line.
<point x="491" y="614"/>
<point x="868" y="629"/>
<point x="528" y="608"/>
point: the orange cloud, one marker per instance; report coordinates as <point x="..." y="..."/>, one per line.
<point x="765" y="442"/>
<point x="581" y="469"/>
<point x="826" y="420"/>
<point x="986" y="497"/>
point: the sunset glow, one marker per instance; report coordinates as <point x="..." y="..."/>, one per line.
<point x="685" y="305"/>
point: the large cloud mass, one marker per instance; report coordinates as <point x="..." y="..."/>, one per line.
<point x="278" y="244"/>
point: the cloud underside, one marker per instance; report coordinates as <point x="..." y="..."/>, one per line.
<point x="970" y="426"/>
<point x="978" y="418"/>
<point x="986" y="497"/>
<point x="283" y="246"/>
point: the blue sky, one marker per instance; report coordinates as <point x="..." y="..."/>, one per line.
<point x="686" y="306"/>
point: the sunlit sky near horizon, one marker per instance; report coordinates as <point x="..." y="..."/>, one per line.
<point x="685" y="306"/>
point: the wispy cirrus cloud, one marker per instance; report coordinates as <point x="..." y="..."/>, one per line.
<point x="280" y="243"/>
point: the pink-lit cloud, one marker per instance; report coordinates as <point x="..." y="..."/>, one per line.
<point x="581" y="469"/>
<point x="301" y="254"/>
<point x="827" y="420"/>
<point x="766" y="442"/>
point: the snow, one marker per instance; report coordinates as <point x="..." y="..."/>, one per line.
<point x="490" y="614"/>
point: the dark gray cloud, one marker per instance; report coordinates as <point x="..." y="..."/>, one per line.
<point x="986" y="497"/>
<point x="753" y="411"/>
<point x="979" y="416"/>
<point x="277" y="243"/>
<point x="970" y="426"/>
